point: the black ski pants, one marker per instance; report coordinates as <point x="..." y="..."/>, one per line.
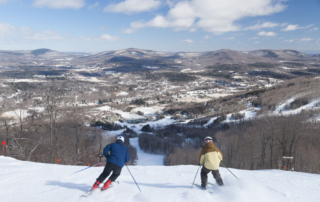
<point x="204" y="176"/>
<point x="110" y="167"/>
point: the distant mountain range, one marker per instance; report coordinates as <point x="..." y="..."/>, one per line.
<point x="140" y="57"/>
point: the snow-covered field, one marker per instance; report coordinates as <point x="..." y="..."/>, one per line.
<point x="149" y="110"/>
<point x="30" y="182"/>
<point x="21" y="113"/>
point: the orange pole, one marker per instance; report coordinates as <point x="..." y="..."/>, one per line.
<point x="3" y="143"/>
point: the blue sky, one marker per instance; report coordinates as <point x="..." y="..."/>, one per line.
<point x="162" y="25"/>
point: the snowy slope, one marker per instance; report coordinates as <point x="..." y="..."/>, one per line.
<point x="146" y="159"/>
<point x="30" y="182"/>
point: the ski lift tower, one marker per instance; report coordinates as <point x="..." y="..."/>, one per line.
<point x="287" y="160"/>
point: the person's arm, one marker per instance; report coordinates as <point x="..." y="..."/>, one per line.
<point x="127" y="159"/>
<point x="106" y="150"/>
<point x="220" y="156"/>
<point x="201" y="159"/>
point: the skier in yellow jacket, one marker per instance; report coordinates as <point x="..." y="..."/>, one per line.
<point x="210" y="158"/>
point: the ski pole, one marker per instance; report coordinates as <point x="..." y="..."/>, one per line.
<point x="228" y="169"/>
<point x="196" y="176"/>
<point x="133" y="178"/>
<point x="88" y="167"/>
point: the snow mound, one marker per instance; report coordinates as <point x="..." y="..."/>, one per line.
<point x="29" y="182"/>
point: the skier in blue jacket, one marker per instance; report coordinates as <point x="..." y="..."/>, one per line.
<point x="118" y="156"/>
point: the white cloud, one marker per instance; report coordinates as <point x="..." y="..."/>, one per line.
<point x="104" y="37"/>
<point x="254" y="38"/>
<point x="109" y="38"/>
<point x="3" y="1"/>
<point x="85" y="38"/>
<point x="256" y="42"/>
<point x="10" y="33"/>
<point x="290" y="28"/>
<point x="207" y="37"/>
<point x="291" y="40"/>
<point x="8" y="29"/>
<point x="314" y="29"/>
<point x="214" y="16"/>
<point x="93" y="5"/>
<point x="230" y="38"/>
<point x="188" y="40"/>
<point x="263" y="33"/>
<point x="295" y="27"/>
<point x="45" y="36"/>
<point x="261" y="26"/>
<point x="59" y="4"/>
<point x="306" y="39"/>
<point x="133" y="6"/>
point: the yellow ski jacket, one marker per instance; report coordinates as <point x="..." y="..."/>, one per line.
<point x="210" y="156"/>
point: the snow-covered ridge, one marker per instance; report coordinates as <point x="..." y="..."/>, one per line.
<point x="281" y="109"/>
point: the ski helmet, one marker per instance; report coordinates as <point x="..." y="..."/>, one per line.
<point x="208" y="139"/>
<point x="120" y="137"/>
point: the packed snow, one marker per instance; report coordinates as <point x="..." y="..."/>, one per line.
<point x="24" y="80"/>
<point x="153" y="124"/>
<point x="21" y="113"/>
<point x="112" y="133"/>
<point x="146" y="159"/>
<point x="104" y="108"/>
<point x="210" y="122"/>
<point x="282" y="108"/>
<point x="29" y="182"/>
<point x="148" y="110"/>
<point x="128" y="115"/>
<point x="309" y="106"/>
<point x="122" y="93"/>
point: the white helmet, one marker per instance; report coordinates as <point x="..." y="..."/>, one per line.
<point x="208" y="139"/>
<point x="120" y="137"/>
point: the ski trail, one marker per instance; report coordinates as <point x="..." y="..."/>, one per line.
<point x="146" y="159"/>
<point x="55" y="183"/>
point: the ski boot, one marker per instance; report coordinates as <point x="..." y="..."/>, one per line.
<point x="106" y="185"/>
<point x="95" y="185"/>
<point x="220" y="182"/>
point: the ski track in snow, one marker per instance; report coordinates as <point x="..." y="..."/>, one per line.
<point x="146" y="159"/>
<point x="30" y="182"/>
<point x="210" y="122"/>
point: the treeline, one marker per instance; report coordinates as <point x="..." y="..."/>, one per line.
<point x="261" y="143"/>
<point x="173" y="139"/>
<point x="171" y="76"/>
<point x="257" y="144"/>
<point x="132" y="150"/>
<point x="52" y="133"/>
<point x="106" y="125"/>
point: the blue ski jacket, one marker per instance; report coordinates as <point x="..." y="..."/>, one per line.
<point x="119" y="154"/>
